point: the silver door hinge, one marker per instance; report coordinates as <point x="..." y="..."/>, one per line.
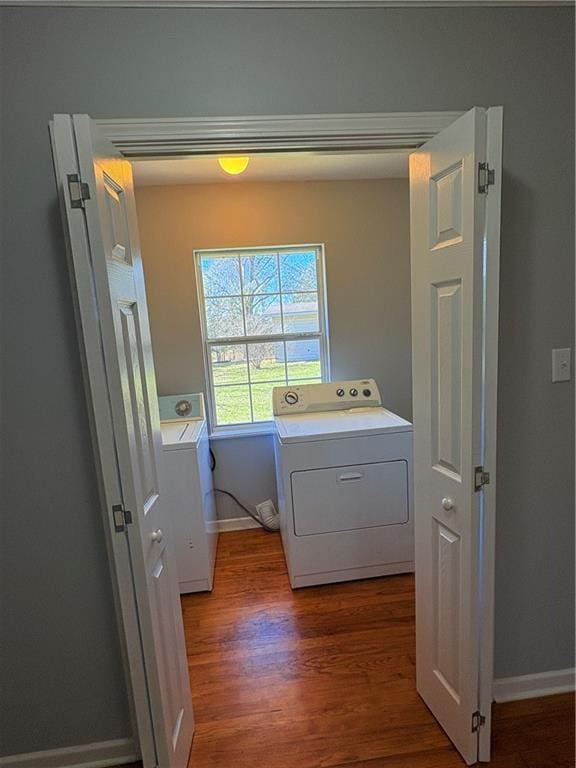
<point x="78" y="190"/>
<point x="478" y="720"/>
<point x="481" y="478"/>
<point x="485" y="178"/>
<point x="122" y="517"/>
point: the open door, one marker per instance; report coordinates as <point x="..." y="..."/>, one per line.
<point x="455" y="262"/>
<point x="97" y="196"/>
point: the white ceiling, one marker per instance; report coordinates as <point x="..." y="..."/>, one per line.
<point x="284" y="166"/>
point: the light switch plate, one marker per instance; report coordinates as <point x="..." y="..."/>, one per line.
<point x="561" y="365"/>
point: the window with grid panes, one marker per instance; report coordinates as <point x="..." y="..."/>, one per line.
<point x="264" y="325"/>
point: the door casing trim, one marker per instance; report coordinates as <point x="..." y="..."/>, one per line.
<point x="173" y="137"/>
<point x="146" y="138"/>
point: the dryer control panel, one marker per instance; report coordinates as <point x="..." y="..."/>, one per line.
<point x="332" y="396"/>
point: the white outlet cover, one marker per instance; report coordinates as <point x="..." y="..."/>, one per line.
<point x="561" y="364"/>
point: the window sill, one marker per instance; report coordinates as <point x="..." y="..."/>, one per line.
<point x="235" y="431"/>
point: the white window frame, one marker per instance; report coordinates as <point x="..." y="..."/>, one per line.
<point x="322" y="334"/>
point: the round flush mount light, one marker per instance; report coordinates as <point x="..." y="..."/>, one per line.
<point x="233" y="165"/>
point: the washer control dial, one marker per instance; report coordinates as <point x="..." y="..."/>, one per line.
<point x="340" y="392"/>
<point x="353" y="392"/>
<point x="366" y="392"/>
<point x="291" y="398"/>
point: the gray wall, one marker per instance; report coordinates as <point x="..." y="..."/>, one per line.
<point x="63" y="680"/>
<point x="365" y="227"/>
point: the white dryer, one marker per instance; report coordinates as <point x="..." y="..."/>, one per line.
<point x="344" y="477"/>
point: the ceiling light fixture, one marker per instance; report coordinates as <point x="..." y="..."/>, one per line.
<point x="234" y="165"/>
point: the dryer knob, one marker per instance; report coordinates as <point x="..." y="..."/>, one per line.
<point x="291" y="398"/>
<point x="340" y="392"/>
<point x="353" y="392"/>
<point x="366" y="392"/>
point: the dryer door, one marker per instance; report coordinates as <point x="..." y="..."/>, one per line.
<point x="350" y="498"/>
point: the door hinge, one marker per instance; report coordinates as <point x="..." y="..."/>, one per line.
<point x="478" y="720"/>
<point x="481" y="478"/>
<point x="122" y="517"/>
<point x="485" y="177"/>
<point x="78" y="190"/>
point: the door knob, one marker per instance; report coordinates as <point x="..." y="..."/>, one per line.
<point x="157" y="536"/>
<point x="447" y="503"/>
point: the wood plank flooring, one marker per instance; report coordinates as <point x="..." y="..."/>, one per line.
<point x="324" y="677"/>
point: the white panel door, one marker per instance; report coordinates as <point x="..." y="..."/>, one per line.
<point x="448" y="218"/>
<point x="109" y="251"/>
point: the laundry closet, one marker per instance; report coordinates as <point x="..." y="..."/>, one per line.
<point x="280" y="296"/>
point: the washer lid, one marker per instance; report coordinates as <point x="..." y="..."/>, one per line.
<point x="181" y="434"/>
<point x="334" y="424"/>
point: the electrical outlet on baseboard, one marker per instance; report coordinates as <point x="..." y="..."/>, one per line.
<point x="266" y="511"/>
<point x="266" y="508"/>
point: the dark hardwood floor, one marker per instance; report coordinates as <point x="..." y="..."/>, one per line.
<point x="325" y="677"/>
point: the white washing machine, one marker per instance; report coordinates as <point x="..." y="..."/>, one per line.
<point x="344" y="476"/>
<point x="188" y="490"/>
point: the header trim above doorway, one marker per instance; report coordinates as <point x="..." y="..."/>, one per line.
<point x="145" y="137"/>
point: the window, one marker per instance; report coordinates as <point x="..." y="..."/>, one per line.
<point x="264" y="325"/>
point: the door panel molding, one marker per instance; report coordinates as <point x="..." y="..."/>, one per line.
<point x="446" y="322"/>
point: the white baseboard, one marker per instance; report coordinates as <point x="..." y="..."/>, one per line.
<point x="534" y="686"/>
<point x="98" y="755"/>
<point x="236" y="524"/>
